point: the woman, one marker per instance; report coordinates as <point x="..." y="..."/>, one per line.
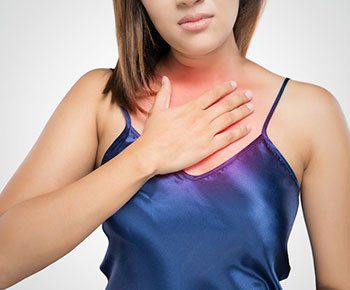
<point x="189" y="197"/>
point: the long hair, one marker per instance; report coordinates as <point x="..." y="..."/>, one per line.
<point x="140" y="47"/>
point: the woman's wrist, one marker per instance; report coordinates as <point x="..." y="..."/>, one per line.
<point x="144" y="157"/>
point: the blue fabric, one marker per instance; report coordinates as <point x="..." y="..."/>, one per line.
<point x="225" y="229"/>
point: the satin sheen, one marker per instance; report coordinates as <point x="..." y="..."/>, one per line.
<point x="224" y="229"/>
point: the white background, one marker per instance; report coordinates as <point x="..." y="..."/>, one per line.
<point x="47" y="45"/>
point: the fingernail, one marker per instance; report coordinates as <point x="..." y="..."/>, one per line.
<point x="233" y="84"/>
<point x="248" y="94"/>
<point x="164" y="80"/>
<point x="250" y="106"/>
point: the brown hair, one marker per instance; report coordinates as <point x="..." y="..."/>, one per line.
<point x="140" y="47"/>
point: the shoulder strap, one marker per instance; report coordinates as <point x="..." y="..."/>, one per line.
<point x="127" y="117"/>
<point x="274" y="105"/>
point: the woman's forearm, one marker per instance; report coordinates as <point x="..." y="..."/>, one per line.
<point x="39" y="231"/>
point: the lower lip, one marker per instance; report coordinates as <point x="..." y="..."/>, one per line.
<point x="197" y="25"/>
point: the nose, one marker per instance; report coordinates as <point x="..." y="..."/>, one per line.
<point x="187" y="2"/>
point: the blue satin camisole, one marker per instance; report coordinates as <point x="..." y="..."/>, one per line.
<point x="225" y="229"/>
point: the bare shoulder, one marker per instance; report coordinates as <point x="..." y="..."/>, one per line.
<point x="66" y="148"/>
<point x="109" y="117"/>
<point x="88" y="91"/>
<point x="317" y="113"/>
<point x="110" y="120"/>
<point x="93" y="82"/>
<point x="88" y="88"/>
<point x="325" y="186"/>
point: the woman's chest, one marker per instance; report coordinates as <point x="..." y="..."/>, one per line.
<point x="257" y="200"/>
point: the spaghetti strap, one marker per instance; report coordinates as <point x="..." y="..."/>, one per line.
<point x="267" y="120"/>
<point x="127" y="117"/>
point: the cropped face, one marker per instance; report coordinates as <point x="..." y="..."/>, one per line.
<point x="194" y="38"/>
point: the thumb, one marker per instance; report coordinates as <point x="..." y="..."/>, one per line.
<point x="162" y="99"/>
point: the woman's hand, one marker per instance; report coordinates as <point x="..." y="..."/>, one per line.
<point x="180" y="136"/>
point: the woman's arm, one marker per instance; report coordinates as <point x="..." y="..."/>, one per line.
<point x="56" y="198"/>
<point x="325" y="190"/>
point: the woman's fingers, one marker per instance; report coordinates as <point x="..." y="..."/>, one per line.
<point x="162" y="99"/>
<point x="210" y="96"/>
<point x="228" y="118"/>
<point x="229" y="136"/>
<point x="228" y="104"/>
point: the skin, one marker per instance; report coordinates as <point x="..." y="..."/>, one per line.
<point x="76" y="199"/>
<point x="197" y="61"/>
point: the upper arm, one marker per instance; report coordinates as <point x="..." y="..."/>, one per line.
<point x="66" y="148"/>
<point x="325" y="190"/>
